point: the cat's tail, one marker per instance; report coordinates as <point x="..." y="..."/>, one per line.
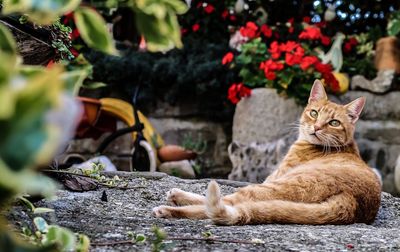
<point x="216" y="210"/>
<point x="338" y="209"/>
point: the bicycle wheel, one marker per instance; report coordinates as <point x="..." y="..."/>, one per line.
<point x="143" y="158"/>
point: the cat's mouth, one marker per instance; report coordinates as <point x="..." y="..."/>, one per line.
<point x="315" y="135"/>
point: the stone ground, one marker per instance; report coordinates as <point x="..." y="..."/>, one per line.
<point x="130" y="210"/>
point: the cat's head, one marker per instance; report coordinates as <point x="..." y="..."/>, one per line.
<point x="326" y="123"/>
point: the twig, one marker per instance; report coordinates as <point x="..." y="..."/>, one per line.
<point x="209" y="239"/>
<point x="94" y="179"/>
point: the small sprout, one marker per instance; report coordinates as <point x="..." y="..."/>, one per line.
<point x="131" y="235"/>
<point x="140" y="238"/>
<point x="26" y="231"/>
<point x="116" y="178"/>
<point x="207" y="234"/>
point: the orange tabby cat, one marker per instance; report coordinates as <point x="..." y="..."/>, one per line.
<point x="322" y="179"/>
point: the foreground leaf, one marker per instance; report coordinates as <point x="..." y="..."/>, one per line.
<point x="93" y="30"/>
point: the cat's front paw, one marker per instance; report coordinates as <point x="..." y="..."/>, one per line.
<point x="173" y="195"/>
<point x="162" y="212"/>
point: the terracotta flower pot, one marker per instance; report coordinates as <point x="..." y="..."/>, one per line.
<point x="175" y="153"/>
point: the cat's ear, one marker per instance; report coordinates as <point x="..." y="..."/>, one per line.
<point x="317" y="92"/>
<point x="354" y="108"/>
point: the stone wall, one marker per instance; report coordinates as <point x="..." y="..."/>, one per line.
<point x="267" y="121"/>
<point x="178" y="123"/>
<point x="378" y="133"/>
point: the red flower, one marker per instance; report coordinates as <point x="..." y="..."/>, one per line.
<point x="307" y="61"/>
<point x="307" y="19"/>
<point x="299" y="51"/>
<point x="331" y="81"/>
<point x="250" y="30"/>
<point x="74" y="52"/>
<point x="225" y="14"/>
<point x="74" y="34"/>
<point x="270" y="75"/>
<point x="209" y="9"/>
<point x="195" y="27"/>
<point x="266" y="30"/>
<point x="325" y="40"/>
<point x="244" y="91"/>
<point x="289" y="46"/>
<point x="232" y="18"/>
<point x="184" y="31"/>
<point x="349" y="45"/>
<point x="321" y="24"/>
<point x="271" y="65"/>
<point x="323" y="68"/>
<point x="237" y="91"/>
<point x="291" y="21"/>
<point x="50" y="64"/>
<point x="68" y="17"/>
<point x="275" y="50"/>
<point x="310" y="32"/>
<point x="292" y="59"/>
<point x="227" y="58"/>
<point x="291" y="29"/>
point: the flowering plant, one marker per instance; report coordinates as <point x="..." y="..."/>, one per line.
<point x="284" y="56"/>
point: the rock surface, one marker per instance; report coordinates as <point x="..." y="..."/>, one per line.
<point x="130" y="210"/>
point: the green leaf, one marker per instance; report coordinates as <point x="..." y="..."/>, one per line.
<point x="158" y="23"/>
<point x="24" y="181"/>
<point x="7" y="43"/>
<point x="41" y="224"/>
<point x="40" y="210"/>
<point x="74" y="79"/>
<point x="61" y="236"/>
<point x="393" y="27"/>
<point x="40" y="11"/>
<point x="83" y="243"/>
<point x="93" y="30"/>
<point x="27" y="203"/>
<point x="140" y="238"/>
<point x="94" y="85"/>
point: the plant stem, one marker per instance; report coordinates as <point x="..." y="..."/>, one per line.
<point x="94" y="179"/>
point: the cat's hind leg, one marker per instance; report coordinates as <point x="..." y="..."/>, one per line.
<point x="188" y="212"/>
<point x="178" y="197"/>
<point x="337" y="209"/>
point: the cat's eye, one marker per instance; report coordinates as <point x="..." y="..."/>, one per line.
<point x="334" y="123"/>
<point x="314" y="113"/>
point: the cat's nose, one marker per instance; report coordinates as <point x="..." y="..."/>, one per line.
<point x="317" y="127"/>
